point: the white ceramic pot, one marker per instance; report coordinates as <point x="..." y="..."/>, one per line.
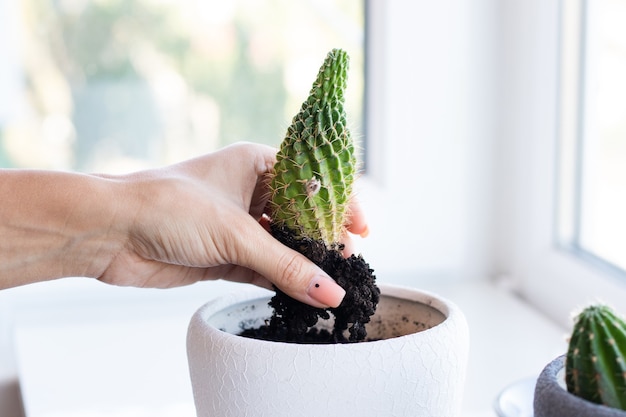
<point x="417" y="368"/>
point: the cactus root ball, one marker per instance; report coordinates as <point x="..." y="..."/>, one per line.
<point x="293" y="321"/>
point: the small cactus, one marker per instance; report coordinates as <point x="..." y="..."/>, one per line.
<point x="595" y="367"/>
<point x="312" y="179"/>
<point x="310" y="188"/>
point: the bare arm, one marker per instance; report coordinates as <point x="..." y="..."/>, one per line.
<point x="198" y="220"/>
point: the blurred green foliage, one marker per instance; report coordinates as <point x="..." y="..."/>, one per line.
<point x="110" y="52"/>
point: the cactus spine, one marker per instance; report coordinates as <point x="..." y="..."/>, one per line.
<point x="595" y="368"/>
<point x="312" y="179"/>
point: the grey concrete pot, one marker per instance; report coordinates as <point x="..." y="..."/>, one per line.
<point x="553" y="400"/>
<point x="417" y="368"/>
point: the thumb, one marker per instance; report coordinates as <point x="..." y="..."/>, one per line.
<point x="289" y="270"/>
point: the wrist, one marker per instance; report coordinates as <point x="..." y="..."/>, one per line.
<point x="101" y="225"/>
<point x="57" y="225"/>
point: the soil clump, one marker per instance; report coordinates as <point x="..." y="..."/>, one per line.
<point x="292" y="321"/>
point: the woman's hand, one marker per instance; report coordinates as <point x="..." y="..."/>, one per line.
<point x="201" y="220"/>
<point x="197" y="220"/>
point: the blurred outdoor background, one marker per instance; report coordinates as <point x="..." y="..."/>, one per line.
<point x="115" y="85"/>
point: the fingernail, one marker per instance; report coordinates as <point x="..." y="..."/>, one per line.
<point x="325" y="291"/>
<point x="365" y="232"/>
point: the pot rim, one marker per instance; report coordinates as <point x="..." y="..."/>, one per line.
<point x="450" y="311"/>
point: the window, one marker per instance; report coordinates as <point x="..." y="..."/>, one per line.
<point x="114" y="86"/>
<point x="553" y="173"/>
<point x="593" y="132"/>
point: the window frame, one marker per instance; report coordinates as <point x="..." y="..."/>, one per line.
<point x="554" y="278"/>
<point x="574" y="133"/>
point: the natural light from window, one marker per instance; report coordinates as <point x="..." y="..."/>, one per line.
<point x="115" y="85"/>
<point x="593" y="131"/>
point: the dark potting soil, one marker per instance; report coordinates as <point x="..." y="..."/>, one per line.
<point x="293" y="321"/>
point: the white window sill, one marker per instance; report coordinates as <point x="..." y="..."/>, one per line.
<point x="110" y="360"/>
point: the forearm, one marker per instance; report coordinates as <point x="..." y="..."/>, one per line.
<point x="55" y="225"/>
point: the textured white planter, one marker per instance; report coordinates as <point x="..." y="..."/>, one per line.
<point x="417" y="369"/>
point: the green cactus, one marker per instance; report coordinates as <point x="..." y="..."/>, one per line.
<point x="312" y="179"/>
<point x="595" y="368"/>
<point x="310" y="188"/>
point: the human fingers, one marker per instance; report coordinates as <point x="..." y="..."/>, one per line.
<point x="236" y="273"/>
<point x="357" y="224"/>
<point x="289" y="270"/>
<point x="238" y="171"/>
<point x="131" y="269"/>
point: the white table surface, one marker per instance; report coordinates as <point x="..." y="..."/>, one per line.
<point x="129" y="359"/>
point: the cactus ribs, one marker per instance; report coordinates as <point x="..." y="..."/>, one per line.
<point x="310" y="189"/>
<point x="595" y="368"/>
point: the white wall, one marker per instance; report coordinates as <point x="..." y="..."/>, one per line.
<point x="9" y="57"/>
<point x="428" y="192"/>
